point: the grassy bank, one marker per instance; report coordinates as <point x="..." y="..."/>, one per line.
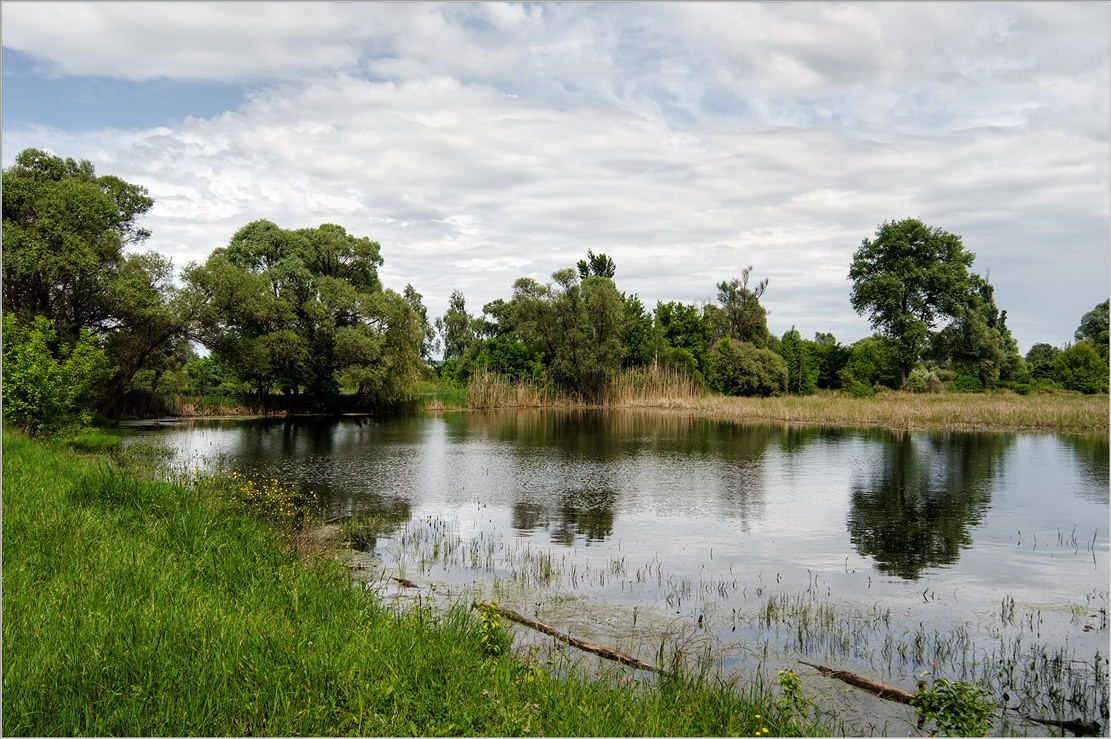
<point x="1066" y="412"/>
<point x="134" y="607"/>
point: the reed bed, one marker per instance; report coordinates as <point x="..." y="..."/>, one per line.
<point x="996" y="411"/>
<point x="662" y="388"/>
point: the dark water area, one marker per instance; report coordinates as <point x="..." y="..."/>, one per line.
<point x="985" y="541"/>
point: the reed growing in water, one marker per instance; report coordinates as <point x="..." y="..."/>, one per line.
<point x="662" y="388"/>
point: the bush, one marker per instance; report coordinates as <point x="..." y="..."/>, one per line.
<point x="740" y="368"/>
<point x="854" y="387"/>
<point x="1023" y="388"/>
<point x="966" y="382"/>
<point x="46" y="383"/>
<point x="1081" y="367"/>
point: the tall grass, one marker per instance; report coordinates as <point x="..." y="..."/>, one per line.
<point x="137" y="607"/>
<point x="662" y="388"/>
<point x="1058" y="412"/>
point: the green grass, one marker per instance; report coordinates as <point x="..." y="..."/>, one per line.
<point x="137" y="607"/>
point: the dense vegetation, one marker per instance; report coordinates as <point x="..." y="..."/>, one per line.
<point x="295" y="318"/>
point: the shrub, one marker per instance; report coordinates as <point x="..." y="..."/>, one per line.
<point x="1081" y="367"/>
<point x="741" y="368"/>
<point x="46" y="383"/>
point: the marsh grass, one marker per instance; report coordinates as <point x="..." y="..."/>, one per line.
<point x="647" y="388"/>
<point x="139" y="607"/>
<point x="974" y="412"/>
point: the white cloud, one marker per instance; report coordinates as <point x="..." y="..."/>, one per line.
<point x="686" y="141"/>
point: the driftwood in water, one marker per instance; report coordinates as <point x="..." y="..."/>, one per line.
<point x="598" y="649"/>
<point x="886" y="692"/>
<point x="1076" y="726"/>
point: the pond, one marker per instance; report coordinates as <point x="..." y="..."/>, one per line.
<point x="888" y="553"/>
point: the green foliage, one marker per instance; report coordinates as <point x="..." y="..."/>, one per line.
<point x="456" y="327"/>
<point x="743" y="317"/>
<point x="802" y="369"/>
<point x="906" y="279"/>
<point x="681" y="326"/>
<point x="1082" y="367"/>
<point x="596" y="266"/>
<point x="978" y="341"/>
<point x="957" y="709"/>
<point x="792" y="703"/>
<point x="966" y="382"/>
<point x="830" y="358"/>
<point x="46" y="381"/>
<point x="922" y="380"/>
<point x="1094" y="327"/>
<point x="496" y="641"/>
<point x="1041" y="361"/>
<point x="302" y="310"/>
<point x="741" y="368"/>
<point x="65" y="231"/>
<point x="874" y="361"/>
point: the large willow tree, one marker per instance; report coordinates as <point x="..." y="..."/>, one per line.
<point x="303" y="310"/>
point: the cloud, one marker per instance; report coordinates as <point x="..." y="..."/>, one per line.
<point x="480" y="143"/>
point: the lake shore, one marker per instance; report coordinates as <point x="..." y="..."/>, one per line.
<point x="136" y="607"/>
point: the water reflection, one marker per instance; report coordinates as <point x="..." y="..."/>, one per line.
<point x="914" y="507"/>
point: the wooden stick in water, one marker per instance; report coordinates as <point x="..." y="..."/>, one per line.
<point x="599" y="649"/>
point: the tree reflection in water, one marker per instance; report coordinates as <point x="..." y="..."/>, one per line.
<point x="913" y="510"/>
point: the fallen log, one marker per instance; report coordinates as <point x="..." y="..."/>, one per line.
<point x="1078" y="727"/>
<point x="887" y="692"/>
<point x="599" y="649"/>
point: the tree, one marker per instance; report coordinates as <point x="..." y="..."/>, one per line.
<point x="686" y="336"/>
<point x="978" y="342"/>
<point x="429" y="343"/>
<point x="46" y="381"/>
<point x="1081" y="367"/>
<point x="908" y="278"/>
<point x="65" y="231"/>
<point x="1094" y="327"/>
<point x="745" y="319"/>
<point x="596" y="265"/>
<point x="301" y="310"/>
<point x="456" y="327"/>
<point x="1041" y="360"/>
<point x="831" y="358"/>
<point x="874" y="361"/>
<point x="802" y="367"/>
<point x="742" y="368"/>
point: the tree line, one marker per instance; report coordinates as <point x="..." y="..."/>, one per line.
<point x="90" y="322"/>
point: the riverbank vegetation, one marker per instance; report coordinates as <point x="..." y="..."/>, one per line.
<point x="298" y="320"/>
<point x="137" y="607"/>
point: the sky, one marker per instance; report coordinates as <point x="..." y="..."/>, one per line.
<point x="479" y="143"/>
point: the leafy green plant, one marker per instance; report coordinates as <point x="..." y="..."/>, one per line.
<point x="46" y="382"/>
<point x="957" y="708"/>
<point x="495" y="640"/>
<point x="793" y="703"/>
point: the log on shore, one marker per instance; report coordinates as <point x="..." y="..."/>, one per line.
<point x="599" y="649"/>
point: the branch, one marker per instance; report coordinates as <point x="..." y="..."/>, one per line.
<point x="599" y="649"/>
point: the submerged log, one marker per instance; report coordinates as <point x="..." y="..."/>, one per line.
<point x="887" y="692"/>
<point x="599" y="649"/>
<point x="1076" y="726"/>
